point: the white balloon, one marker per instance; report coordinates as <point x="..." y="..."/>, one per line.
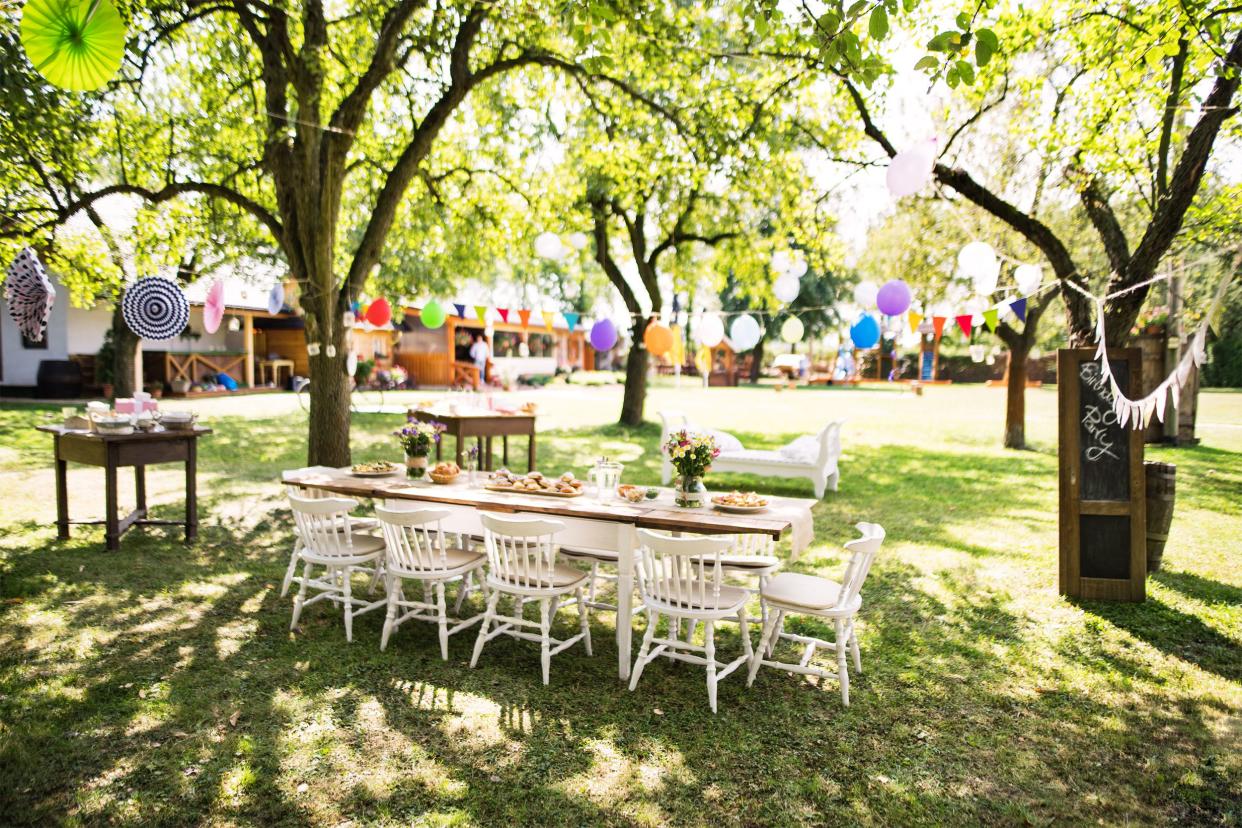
<point x="780" y="261"/>
<point x="578" y="240"/>
<point x="977" y="262"/>
<point x="865" y="293"/>
<point x="910" y="169"/>
<point x="351" y="363"/>
<point x="833" y="341"/>
<point x="910" y="339"/>
<point x="548" y="245"/>
<point x="792" y="330"/>
<point x="744" y="333"/>
<point x="797" y="267"/>
<point x="710" y="331"/>
<point x="976" y="305"/>
<point x="1029" y="277"/>
<point x="786" y="288"/>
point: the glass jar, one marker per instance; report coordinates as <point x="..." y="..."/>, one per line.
<point x="606" y="475"/>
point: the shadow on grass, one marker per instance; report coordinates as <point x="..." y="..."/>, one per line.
<point x="1201" y="589"/>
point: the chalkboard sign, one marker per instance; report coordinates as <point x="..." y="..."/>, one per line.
<point x="1102" y="514"/>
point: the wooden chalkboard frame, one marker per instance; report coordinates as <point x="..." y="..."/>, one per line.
<point x="1073" y="508"/>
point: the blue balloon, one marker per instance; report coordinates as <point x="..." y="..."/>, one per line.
<point x="865" y="333"/>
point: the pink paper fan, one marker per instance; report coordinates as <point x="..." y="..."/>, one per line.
<point x="213" y="308"/>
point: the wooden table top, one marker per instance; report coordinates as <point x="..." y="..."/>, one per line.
<point x="136" y="437"/>
<point x="658" y="514"/>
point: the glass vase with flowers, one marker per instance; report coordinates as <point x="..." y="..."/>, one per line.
<point x="417" y="438"/>
<point x="691" y="455"/>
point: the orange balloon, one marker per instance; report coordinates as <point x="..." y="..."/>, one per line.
<point x="658" y="339"/>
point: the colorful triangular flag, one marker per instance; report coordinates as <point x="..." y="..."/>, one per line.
<point x="480" y="313"/>
<point x="1018" y="306"/>
<point x="571" y="319"/>
<point x="461" y="310"/>
<point x="548" y="318"/>
<point x="504" y="314"/>
<point x="965" y="323"/>
<point x="915" y="319"/>
<point x="524" y="315"/>
<point x="938" y="324"/>
<point x="990" y="317"/>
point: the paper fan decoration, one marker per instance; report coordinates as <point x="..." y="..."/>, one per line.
<point x="75" y="44"/>
<point x="155" y="308"/>
<point x="276" y="299"/>
<point x="213" y="308"/>
<point x="30" y="295"/>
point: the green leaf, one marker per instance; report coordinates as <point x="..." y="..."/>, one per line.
<point x="983" y="53"/>
<point x="829" y="22"/>
<point x="965" y="71"/>
<point x="909" y="5"/>
<point x="929" y="62"/>
<point x="877" y="27"/>
<point x="761" y="25"/>
<point x="857" y="9"/>
<point x="951" y="77"/>
<point x="988" y="37"/>
<point x="603" y="11"/>
<point x="963" y="21"/>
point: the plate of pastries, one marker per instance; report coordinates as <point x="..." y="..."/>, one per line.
<point x="740" y="502"/>
<point x="378" y="468"/>
<point x="535" y="483"/>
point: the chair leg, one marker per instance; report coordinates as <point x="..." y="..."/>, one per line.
<point x="291" y="568"/>
<point x="488" y="614"/>
<point x="842" y="673"/>
<point x="443" y="612"/>
<point x="743" y="626"/>
<point x="854" y="649"/>
<point x="584" y="621"/>
<point x="594" y="575"/>
<point x="674" y="635"/>
<point x="466" y="584"/>
<point x="641" y="661"/>
<point x="376" y="577"/>
<point x="709" y="653"/>
<point x="764" y="648"/>
<point x="776" y="635"/>
<point x="545" y="643"/>
<point x="301" y="596"/>
<point x="390" y="617"/>
<point x="348" y="602"/>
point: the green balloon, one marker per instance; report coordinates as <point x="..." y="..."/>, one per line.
<point x="432" y="315"/>
<point x="75" y="44"/>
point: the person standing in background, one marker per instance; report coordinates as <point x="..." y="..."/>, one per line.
<point x="479" y="353"/>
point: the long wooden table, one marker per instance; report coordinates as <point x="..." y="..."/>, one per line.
<point x="483" y="427"/>
<point x="588" y="523"/>
<point x="113" y="451"/>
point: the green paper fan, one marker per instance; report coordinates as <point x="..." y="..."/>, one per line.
<point x="75" y="44"/>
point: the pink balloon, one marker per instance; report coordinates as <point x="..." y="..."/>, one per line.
<point x="213" y="308"/>
<point x="893" y="298"/>
<point x="910" y="170"/>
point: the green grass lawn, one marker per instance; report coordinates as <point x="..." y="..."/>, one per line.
<point x="160" y="684"/>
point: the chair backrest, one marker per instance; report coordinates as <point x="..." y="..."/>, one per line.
<point x="830" y="443"/>
<point x="671" y="421"/>
<point x="414" y="538"/>
<point x="521" y="551"/>
<point x="862" y="552"/>
<point x="750" y="544"/>
<point x="684" y="572"/>
<point x="323" y="524"/>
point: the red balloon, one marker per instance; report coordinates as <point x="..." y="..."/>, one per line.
<point x="379" y="314"/>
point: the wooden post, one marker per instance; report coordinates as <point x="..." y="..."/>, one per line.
<point x="248" y="335"/>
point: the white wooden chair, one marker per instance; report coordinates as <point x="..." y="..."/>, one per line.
<point x="811" y="457"/>
<point x="790" y="592"/>
<point x="328" y="541"/>
<point x="683" y="578"/>
<point x="356" y="523"/>
<point x="417" y="550"/>
<point x="522" y="563"/>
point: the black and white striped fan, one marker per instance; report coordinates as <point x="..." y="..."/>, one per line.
<point x="155" y="308"/>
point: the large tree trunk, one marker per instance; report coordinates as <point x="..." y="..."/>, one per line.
<point x="635" y="377"/>
<point x="756" y="359"/>
<point x="124" y="355"/>
<point x="328" y="434"/>
<point x="1015" y="395"/>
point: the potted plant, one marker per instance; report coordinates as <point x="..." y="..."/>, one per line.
<point x="691" y="455"/>
<point x="155" y="389"/>
<point x="362" y="374"/>
<point x="417" y="438"/>
<point x="105" y="364"/>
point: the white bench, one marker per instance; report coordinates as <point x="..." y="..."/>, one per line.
<point x="812" y="457"/>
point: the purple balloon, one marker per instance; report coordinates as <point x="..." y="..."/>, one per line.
<point x="603" y="335"/>
<point x="893" y="298"/>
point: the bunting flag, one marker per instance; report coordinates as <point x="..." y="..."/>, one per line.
<point x="571" y="319"/>
<point x="938" y="325"/>
<point x="480" y="313"/>
<point x="524" y="315"/>
<point x="915" y="319"/>
<point x="991" y="317"/>
<point x="461" y="310"/>
<point x="548" y="318"/>
<point x="964" y="322"/>
<point x="1018" y="306"/>
<point x="504" y="314"/>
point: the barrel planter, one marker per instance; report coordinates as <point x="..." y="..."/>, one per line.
<point x="1161" y="480"/>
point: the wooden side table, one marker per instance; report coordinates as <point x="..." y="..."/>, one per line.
<point x="112" y="452"/>
<point x="483" y="427"/>
<point x="275" y="365"/>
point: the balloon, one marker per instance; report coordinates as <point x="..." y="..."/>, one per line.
<point x="710" y="331"/>
<point x="658" y="339"/>
<point x="786" y="288"/>
<point x="1029" y="277"/>
<point x="548" y="245"/>
<point x="977" y="262"/>
<point x="910" y="169"/>
<point x="780" y="261"/>
<point x="578" y="240"/>
<point x="744" y="333"/>
<point x="797" y="267"/>
<point x="792" y="330"/>
<point x="432" y="314"/>
<point x="893" y="298"/>
<point x="865" y="333"/>
<point x="603" y="335"/>
<point x="213" y="308"/>
<point x="276" y="299"/>
<point x="865" y="293"/>
<point x="380" y="314"/>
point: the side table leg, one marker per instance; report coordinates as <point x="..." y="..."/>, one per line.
<point x="62" y="498"/>
<point x="504" y="449"/>
<point x="112" y="534"/>
<point x="191" y="490"/>
<point x="530" y="452"/>
<point x="140" y="488"/>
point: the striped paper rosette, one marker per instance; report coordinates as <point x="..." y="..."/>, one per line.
<point x="155" y="308"/>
